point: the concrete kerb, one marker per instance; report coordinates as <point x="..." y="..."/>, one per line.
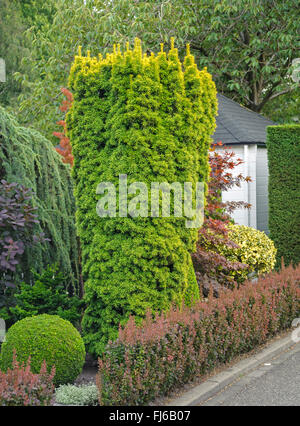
<point x="216" y="383"/>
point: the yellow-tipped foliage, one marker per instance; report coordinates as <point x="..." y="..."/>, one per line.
<point x="150" y="117"/>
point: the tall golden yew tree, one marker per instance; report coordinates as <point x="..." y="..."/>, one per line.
<point x="149" y="117"/>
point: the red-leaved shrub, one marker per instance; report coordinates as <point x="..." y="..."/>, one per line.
<point x="165" y="352"/>
<point x="20" y="387"/>
<point x="211" y="267"/>
<point x="64" y="148"/>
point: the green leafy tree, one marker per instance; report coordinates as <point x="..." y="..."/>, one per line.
<point x="37" y="13"/>
<point x="248" y="45"/>
<point x="284" y="109"/>
<point x="75" y="23"/>
<point x="16" y="18"/>
<point x="11" y="48"/>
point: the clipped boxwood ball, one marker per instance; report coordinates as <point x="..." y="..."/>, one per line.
<point x="49" y="338"/>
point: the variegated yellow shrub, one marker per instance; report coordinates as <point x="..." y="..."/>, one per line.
<point x="255" y="249"/>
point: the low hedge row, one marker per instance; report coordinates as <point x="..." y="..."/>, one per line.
<point x="19" y="386"/>
<point x="151" y="360"/>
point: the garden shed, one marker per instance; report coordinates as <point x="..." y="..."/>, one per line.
<point x="245" y="132"/>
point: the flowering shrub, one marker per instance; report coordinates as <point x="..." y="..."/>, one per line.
<point x="20" y="387"/>
<point x="170" y="350"/>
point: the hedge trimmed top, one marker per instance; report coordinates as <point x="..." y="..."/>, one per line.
<point x="149" y="117"/>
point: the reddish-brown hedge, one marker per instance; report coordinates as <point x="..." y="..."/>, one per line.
<point x="20" y="387"/>
<point x="149" y="361"/>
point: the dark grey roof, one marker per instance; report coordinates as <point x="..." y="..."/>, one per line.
<point x="239" y="125"/>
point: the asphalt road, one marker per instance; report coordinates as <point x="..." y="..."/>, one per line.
<point x="274" y="383"/>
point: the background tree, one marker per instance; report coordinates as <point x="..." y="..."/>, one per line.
<point x="16" y="17"/>
<point x="11" y="49"/>
<point x="37" y="13"/>
<point x="284" y="109"/>
<point x="247" y="45"/>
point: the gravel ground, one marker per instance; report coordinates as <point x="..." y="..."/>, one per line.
<point x="88" y="376"/>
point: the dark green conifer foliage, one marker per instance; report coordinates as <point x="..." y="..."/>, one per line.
<point x="283" y="143"/>
<point x="144" y="117"/>
<point x="27" y="158"/>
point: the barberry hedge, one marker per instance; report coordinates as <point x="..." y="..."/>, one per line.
<point x="149" y="361"/>
<point x="149" y="117"/>
<point x="19" y="387"/>
<point x="283" y="143"/>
